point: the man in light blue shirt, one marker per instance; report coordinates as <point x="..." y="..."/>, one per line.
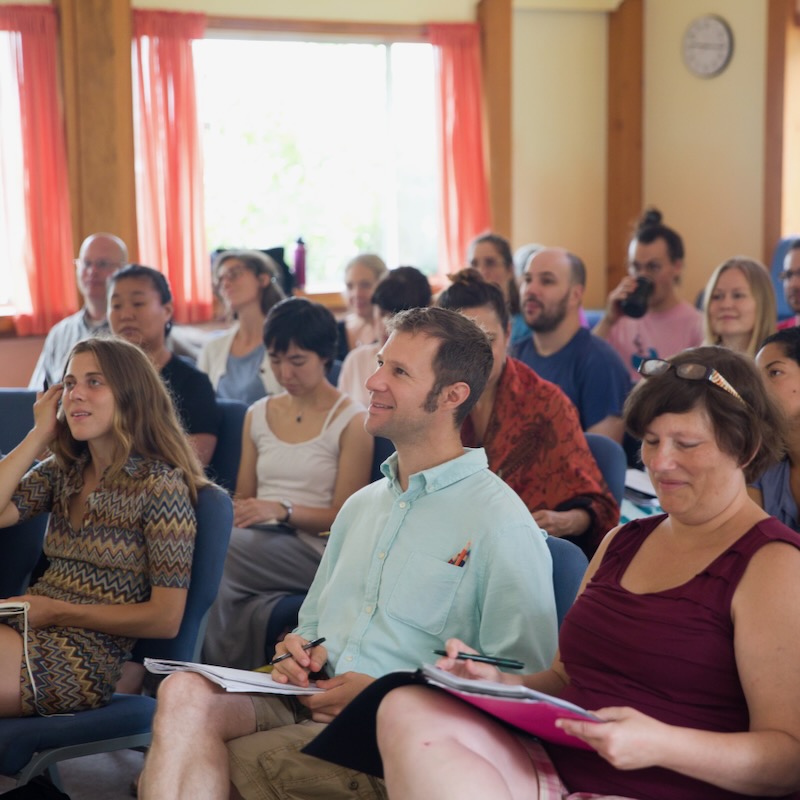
<point x="441" y="548"/>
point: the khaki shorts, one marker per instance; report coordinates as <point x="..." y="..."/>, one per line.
<point x="268" y="765"/>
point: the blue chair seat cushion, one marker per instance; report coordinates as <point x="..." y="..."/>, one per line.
<point x="126" y="715"/>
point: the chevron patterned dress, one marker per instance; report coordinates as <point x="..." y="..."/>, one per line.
<point x="137" y="532"/>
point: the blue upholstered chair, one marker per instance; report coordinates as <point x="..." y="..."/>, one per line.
<point x="569" y="567"/>
<point x="224" y="466"/>
<point x="16" y="413"/>
<point x="22" y="544"/>
<point x="612" y="461"/>
<point x="31" y="745"/>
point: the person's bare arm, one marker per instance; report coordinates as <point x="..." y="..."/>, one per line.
<point x="611" y="426"/>
<point x="204" y="445"/>
<point x="157" y="618"/>
<point x="14" y="465"/>
<point x="613" y="310"/>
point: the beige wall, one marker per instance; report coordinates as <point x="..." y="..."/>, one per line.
<point x="704" y="139"/>
<point x="559" y="135"/>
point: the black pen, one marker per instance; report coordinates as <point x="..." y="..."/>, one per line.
<point x="508" y="663"/>
<point x="306" y="646"/>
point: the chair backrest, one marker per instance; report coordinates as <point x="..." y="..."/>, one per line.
<point x="612" y="461"/>
<point x="214" y="522"/>
<point x="569" y="567"/>
<point x="20" y="551"/>
<point x="16" y="412"/>
<point x="224" y="466"/>
<point x="781" y="249"/>
<point x="383" y="449"/>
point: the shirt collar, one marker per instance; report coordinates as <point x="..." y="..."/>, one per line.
<point x="439" y="477"/>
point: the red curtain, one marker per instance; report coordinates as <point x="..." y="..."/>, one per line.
<point x="169" y="171"/>
<point x="465" y="194"/>
<point x="47" y="252"/>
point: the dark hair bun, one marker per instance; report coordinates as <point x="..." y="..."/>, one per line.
<point x="466" y="277"/>
<point x="651" y="216"/>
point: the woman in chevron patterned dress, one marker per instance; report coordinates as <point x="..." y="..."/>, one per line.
<point x="120" y="487"/>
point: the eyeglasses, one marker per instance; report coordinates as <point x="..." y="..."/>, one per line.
<point x="788" y="274"/>
<point x="101" y="265"/>
<point x="232" y="274"/>
<point x="651" y="367"/>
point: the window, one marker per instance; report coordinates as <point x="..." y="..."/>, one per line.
<point x="332" y="141"/>
<point x="14" y="290"/>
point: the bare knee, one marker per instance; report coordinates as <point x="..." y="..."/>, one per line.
<point x="400" y="711"/>
<point x="184" y="698"/>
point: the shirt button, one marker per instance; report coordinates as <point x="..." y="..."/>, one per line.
<point x="381" y="555"/>
<point x="368" y="609"/>
<point x="349" y="658"/>
<point x="402" y="504"/>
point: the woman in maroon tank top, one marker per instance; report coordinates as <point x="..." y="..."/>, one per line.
<point x="683" y="638"/>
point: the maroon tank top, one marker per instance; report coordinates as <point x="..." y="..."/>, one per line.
<point x="668" y="654"/>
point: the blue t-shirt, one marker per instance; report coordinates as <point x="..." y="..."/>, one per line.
<point x="587" y="369"/>
<point x="776" y="492"/>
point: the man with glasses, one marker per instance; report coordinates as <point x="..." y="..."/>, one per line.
<point x="670" y="324"/>
<point x="101" y="254"/>
<point x="791" y="284"/>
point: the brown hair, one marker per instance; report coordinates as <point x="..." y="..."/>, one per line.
<point x="504" y="249"/>
<point x="259" y="264"/>
<point x="464" y="355"/>
<point x="145" y="422"/>
<point x="468" y="289"/>
<point x="752" y="432"/>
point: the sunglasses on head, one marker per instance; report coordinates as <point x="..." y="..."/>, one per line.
<point x="651" y="367"/>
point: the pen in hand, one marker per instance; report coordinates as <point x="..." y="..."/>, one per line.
<point x="508" y="663"/>
<point x="306" y="646"/>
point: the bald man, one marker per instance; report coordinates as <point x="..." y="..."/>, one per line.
<point x="587" y="369"/>
<point x="101" y="254"/>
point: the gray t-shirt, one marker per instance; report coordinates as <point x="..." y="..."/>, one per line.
<point x="242" y="378"/>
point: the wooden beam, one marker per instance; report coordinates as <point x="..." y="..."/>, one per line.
<point x="495" y="18"/>
<point x="625" y="133"/>
<point x="96" y="40"/>
<point x="369" y="30"/>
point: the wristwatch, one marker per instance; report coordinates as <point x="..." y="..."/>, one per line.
<point x="287" y="504"/>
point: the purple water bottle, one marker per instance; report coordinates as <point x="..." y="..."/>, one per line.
<point x="300" y="264"/>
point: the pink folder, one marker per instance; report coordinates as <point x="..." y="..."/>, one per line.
<point x="529" y="710"/>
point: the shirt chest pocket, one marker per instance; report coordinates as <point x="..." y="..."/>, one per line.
<point x="424" y="593"/>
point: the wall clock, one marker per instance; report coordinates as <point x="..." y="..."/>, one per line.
<point x="707" y="46"/>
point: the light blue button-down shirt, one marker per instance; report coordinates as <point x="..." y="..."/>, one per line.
<point x="385" y="595"/>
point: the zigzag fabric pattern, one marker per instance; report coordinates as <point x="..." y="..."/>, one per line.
<point x="137" y="532"/>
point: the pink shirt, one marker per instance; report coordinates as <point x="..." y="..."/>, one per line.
<point x="658" y="334"/>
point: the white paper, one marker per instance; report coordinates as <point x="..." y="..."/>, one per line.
<point x="232" y="680"/>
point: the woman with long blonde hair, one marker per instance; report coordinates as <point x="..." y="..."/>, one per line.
<point x="739" y="310"/>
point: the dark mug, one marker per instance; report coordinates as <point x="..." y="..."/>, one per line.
<point x="635" y="304"/>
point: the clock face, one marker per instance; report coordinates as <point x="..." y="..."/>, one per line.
<point x="707" y="46"/>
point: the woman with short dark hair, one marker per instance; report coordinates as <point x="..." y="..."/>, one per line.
<point x="304" y="452"/>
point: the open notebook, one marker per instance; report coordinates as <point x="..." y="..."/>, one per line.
<point x="232" y="680"/>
